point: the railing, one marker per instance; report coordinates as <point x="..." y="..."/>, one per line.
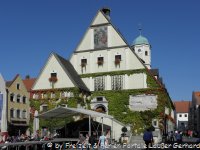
<point x="37" y="145"/>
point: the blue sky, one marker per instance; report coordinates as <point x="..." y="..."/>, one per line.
<point x="31" y="30"/>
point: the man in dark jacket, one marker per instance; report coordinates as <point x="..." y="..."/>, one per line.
<point x="148" y="138"/>
<point x="92" y="140"/>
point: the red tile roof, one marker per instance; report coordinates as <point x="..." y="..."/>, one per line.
<point x="182" y="106"/>
<point x="29" y="83"/>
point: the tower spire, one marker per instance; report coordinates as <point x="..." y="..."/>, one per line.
<point x="140" y="28"/>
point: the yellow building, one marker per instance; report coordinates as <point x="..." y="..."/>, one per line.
<point x="18" y="106"/>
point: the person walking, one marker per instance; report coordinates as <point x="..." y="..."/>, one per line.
<point x="101" y="142"/>
<point x="179" y="137"/>
<point x="171" y="136"/>
<point x="148" y="138"/>
<point x="92" y="140"/>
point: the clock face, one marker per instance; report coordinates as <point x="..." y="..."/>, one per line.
<point x="100" y="37"/>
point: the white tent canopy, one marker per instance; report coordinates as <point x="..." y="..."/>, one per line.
<point x="63" y="112"/>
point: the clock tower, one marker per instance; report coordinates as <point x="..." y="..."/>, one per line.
<point x="142" y="48"/>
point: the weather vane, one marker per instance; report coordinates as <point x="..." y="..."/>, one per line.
<point x="140" y="28"/>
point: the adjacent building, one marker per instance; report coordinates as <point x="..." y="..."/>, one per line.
<point x="194" y="113"/>
<point x="182" y="114"/>
<point x="17" y="106"/>
<point x="3" y="107"/>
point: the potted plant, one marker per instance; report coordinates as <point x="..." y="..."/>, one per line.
<point x="53" y="79"/>
<point x="83" y="64"/>
<point x="100" y="62"/>
<point x="117" y="61"/>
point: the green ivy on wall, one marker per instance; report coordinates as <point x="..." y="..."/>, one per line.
<point x="52" y="103"/>
<point x="118" y="102"/>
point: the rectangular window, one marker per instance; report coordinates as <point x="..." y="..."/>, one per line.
<point x="146" y="53"/>
<point x="154" y="123"/>
<point x="53" y="95"/>
<point x="12" y="97"/>
<point x="117" y="82"/>
<point x="12" y="113"/>
<point x="99" y="83"/>
<point x="18" y="86"/>
<point x="24" y="114"/>
<point x="18" y="98"/>
<point x="100" y="60"/>
<point x="24" y="100"/>
<point x="117" y="59"/>
<point x="99" y="99"/>
<point x="54" y="74"/>
<point x="18" y="113"/>
<point x="45" y="108"/>
<point x="83" y="61"/>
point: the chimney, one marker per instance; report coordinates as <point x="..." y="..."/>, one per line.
<point x="106" y="11"/>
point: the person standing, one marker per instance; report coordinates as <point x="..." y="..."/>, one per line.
<point x="148" y="138"/>
<point x="80" y="141"/>
<point x="101" y="142"/>
<point x="179" y="137"/>
<point x="171" y="136"/>
<point x="92" y="140"/>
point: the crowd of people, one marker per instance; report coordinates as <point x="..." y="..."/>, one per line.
<point x="92" y="142"/>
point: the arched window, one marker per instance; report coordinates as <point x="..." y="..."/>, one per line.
<point x="11" y="113"/>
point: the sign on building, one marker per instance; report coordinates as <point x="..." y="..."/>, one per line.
<point x="143" y="102"/>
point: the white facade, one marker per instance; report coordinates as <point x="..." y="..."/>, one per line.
<point x="115" y="46"/>
<point x="182" y="120"/>
<point x="52" y="66"/>
<point x="3" y="114"/>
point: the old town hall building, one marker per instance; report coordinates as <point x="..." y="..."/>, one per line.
<point x="106" y="74"/>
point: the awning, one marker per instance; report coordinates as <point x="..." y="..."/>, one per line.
<point x="63" y="112"/>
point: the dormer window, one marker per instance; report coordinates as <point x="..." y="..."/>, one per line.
<point x="100" y="61"/>
<point x="18" y="86"/>
<point x="83" y="62"/>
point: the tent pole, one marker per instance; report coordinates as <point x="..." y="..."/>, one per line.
<point x="102" y="126"/>
<point x="112" y="131"/>
<point x="89" y="125"/>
